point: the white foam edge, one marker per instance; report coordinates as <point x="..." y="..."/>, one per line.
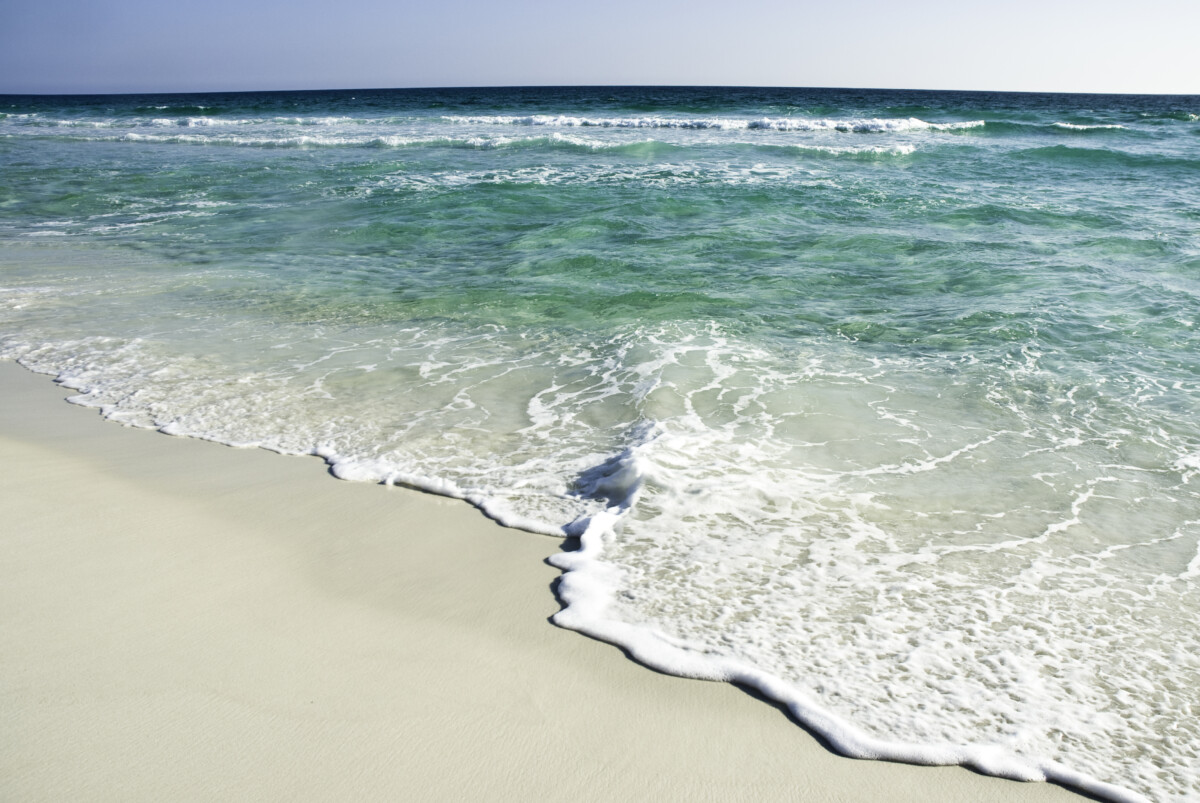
<point x="1093" y="127"/>
<point x="350" y="469"/>
<point x="358" y="470"/>
<point x="389" y="141"/>
<point x="858" y="125"/>
<point x="586" y="591"/>
<point x="1188" y="466"/>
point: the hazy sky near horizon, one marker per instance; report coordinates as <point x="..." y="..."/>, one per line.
<point x="86" y="46"/>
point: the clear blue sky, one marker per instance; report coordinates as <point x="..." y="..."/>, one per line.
<point x="197" y="45"/>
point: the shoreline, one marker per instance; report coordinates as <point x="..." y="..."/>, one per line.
<point x="185" y="620"/>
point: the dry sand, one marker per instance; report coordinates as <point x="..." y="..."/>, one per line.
<point x="186" y="621"/>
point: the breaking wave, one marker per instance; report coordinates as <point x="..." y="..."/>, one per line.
<point x="857" y="126"/>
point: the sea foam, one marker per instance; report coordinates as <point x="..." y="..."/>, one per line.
<point x="875" y="125"/>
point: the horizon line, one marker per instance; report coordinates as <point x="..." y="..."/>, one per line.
<point x="465" y="87"/>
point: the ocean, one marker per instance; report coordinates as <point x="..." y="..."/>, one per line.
<point x="885" y="403"/>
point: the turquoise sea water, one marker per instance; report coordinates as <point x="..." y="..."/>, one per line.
<point x="887" y="403"/>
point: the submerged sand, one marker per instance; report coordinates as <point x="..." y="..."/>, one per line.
<point x="185" y="621"/>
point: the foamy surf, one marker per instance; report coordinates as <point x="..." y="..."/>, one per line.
<point x="859" y="126"/>
<point x="1093" y="127"/>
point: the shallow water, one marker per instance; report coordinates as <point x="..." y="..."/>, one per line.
<point x="885" y="402"/>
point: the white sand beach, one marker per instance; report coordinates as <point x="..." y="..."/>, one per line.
<point x="186" y="621"/>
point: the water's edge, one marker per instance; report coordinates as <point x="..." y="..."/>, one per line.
<point x="581" y="590"/>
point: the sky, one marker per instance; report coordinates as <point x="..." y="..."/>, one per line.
<point x="100" y="46"/>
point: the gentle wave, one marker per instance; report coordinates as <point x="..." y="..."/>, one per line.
<point x="866" y="152"/>
<point x="188" y="122"/>
<point x="1008" y="128"/>
<point x="1100" y="156"/>
<point x="858" y="126"/>
<point x="872" y="125"/>
<point x="1185" y="117"/>
<point x="861" y="126"/>
<point x="282" y="142"/>
<point x="176" y="109"/>
<point x="646" y="175"/>
<point x="555" y="140"/>
<point x="1095" y="127"/>
<point x="201" y="122"/>
<point x="783" y="124"/>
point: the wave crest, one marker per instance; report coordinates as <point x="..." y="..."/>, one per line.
<point x="857" y="126"/>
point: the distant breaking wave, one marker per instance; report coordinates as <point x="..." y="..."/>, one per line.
<point x="193" y="122"/>
<point x="853" y="125"/>
<point x="554" y="140"/>
<point x="857" y="126"/>
<point x="1075" y="127"/>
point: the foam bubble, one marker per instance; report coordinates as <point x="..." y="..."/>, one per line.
<point x="1188" y="465"/>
